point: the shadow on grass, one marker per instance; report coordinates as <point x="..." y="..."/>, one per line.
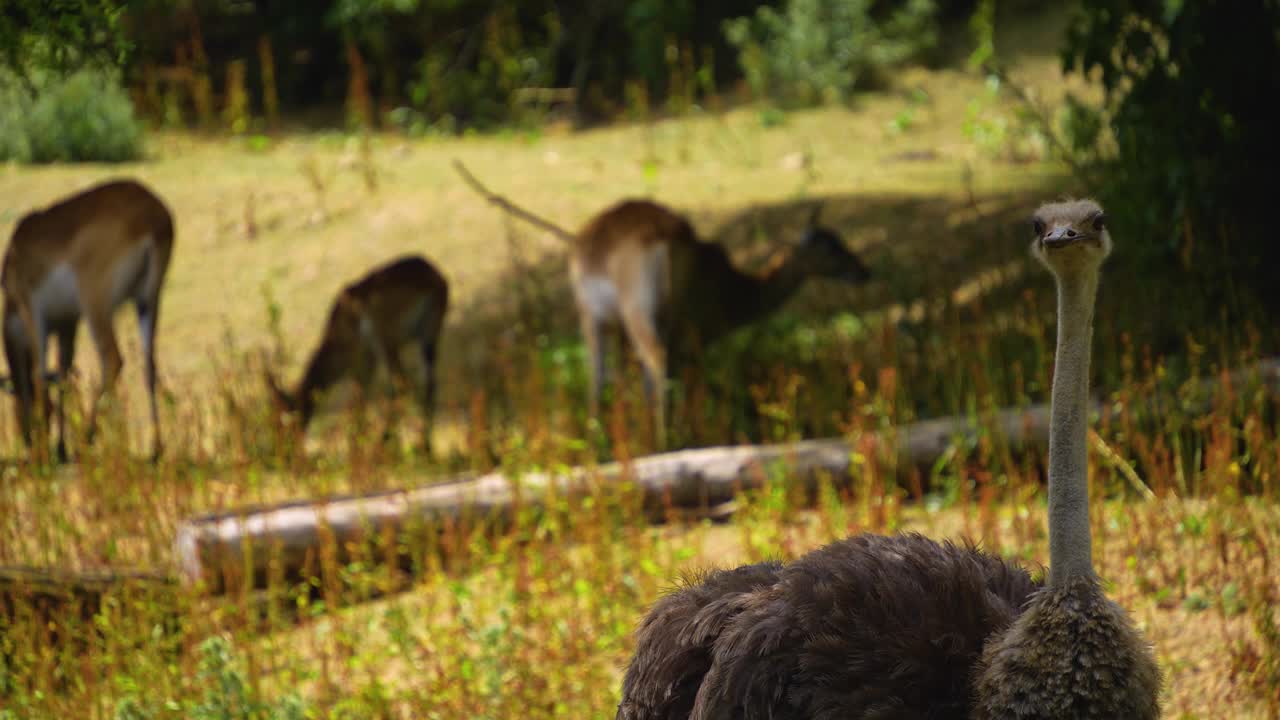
<point x="957" y="309"/>
<point x="519" y="337"/>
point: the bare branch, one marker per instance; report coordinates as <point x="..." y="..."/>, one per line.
<point x="510" y="207"/>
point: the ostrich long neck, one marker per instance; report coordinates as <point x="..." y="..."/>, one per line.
<point x="1070" y="544"/>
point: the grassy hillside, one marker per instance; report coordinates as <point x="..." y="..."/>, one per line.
<point x="889" y="168"/>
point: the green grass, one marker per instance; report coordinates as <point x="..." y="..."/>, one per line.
<point x="537" y="622"/>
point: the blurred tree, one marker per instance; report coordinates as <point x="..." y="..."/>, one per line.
<point x="447" y="63"/>
<point x="61" y="35"/>
<point x="366" y="26"/>
<point x="815" y="51"/>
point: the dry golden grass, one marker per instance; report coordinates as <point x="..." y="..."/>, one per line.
<point x="1196" y="640"/>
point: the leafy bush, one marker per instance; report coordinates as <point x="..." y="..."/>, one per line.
<point x="83" y="117"/>
<point x="822" y="50"/>
<point x="480" y="90"/>
<point x="227" y="696"/>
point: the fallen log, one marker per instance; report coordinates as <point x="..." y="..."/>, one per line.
<point x="294" y="542"/>
<point x="52" y="608"/>
<point x="44" y="589"/>
<point x="301" y="541"/>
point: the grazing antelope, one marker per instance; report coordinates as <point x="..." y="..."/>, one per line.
<point x="398" y="305"/>
<point x="640" y="264"/>
<point x="84" y="256"/>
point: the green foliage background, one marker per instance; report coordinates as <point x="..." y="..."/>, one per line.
<point x="459" y="63"/>
<point x="1184" y="148"/>
<point x="815" y="51"/>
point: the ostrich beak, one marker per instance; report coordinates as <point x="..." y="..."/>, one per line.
<point x="1061" y="237"/>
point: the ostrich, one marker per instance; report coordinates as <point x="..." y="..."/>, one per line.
<point x="908" y="628"/>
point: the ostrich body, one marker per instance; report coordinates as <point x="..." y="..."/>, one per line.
<point x="907" y="628"/>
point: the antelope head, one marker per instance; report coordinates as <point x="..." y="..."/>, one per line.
<point x="824" y="253"/>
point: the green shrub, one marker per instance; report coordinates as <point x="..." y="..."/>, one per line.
<point x="815" y="51"/>
<point x="83" y="117"/>
<point x="228" y="694"/>
<point x="14" y="105"/>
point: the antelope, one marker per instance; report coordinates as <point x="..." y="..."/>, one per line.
<point x="397" y="306"/>
<point x="84" y="256"/>
<point x="642" y="265"/>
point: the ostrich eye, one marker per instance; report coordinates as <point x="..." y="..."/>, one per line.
<point x="1100" y="222"/>
<point x="1038" y="226"/>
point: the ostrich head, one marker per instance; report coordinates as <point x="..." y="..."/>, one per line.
<point x="1071" y="237"/>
